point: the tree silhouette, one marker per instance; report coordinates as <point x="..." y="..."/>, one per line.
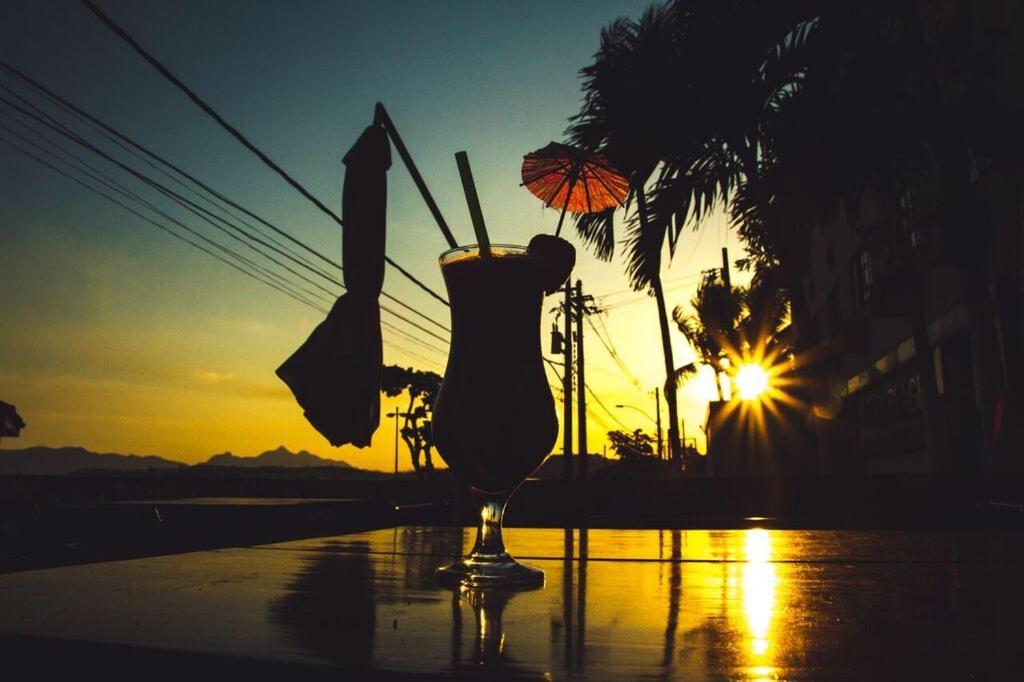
<point x="894" y="100"/>
<point x="730" y="324"/>
<point x="627" y="70"/>
<point x="713" y="329"/>
<point x="632" y="446"/>
<point x="421" y="387"/>
<point x="789" y="113"/>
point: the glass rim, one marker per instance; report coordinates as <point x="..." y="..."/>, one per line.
<point x="475" y="248"/>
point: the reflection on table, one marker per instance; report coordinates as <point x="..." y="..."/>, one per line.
<point x="746" y="604"/>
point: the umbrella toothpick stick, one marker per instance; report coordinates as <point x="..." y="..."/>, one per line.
<point x="568" y="195"/>
<point x="475" y="214"/>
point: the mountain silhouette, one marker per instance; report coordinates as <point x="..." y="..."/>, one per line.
<point x="47" y="461"/>
<point x="44" y="461"/>
<point x="281" y="457"/>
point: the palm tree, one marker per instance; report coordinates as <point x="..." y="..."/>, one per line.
<point x="865" y="73"/>
<point x="881" y="95"/>
<point x="730" y="326"/>
<point x="620" y="120"/>
<point x="664" y="102"/>
<point x="785" y="112"/>
<point x="712" y="330"/>
<point x="730" y="158"/>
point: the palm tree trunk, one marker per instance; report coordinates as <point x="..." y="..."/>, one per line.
<point x="670" y="384"/>
<point x="666" y="340"/>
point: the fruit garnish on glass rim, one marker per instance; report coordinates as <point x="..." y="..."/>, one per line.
<point x="557" y="258"/>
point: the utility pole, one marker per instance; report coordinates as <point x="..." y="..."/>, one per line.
<point x="581" y="398"/>
<point x="396" y="414"/>
<point x="725" y="268"/>
<point x="682" y="428"/>
<point x="567" y="387"/>
<point x="657" y="414"/>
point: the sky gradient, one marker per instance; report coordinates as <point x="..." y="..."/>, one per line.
<point x="118" y="338"/>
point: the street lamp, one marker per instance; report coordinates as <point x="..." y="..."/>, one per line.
<point x="656" y="422"/>
<point x="396" y="414"/>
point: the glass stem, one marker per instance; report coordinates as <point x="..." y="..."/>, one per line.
<point x="489" y="544"/>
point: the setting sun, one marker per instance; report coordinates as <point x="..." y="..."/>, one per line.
<point x="751" y="381"/>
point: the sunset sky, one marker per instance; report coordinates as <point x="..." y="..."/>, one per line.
<point x="118" y="338"/>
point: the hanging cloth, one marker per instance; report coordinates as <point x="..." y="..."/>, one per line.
<point x="335" y="374"/>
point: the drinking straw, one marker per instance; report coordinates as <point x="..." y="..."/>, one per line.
<point x="466" y="173"/>
<point x="381" y="116"/>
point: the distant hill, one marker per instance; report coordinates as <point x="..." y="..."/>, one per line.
<point x="44" y="461"/>
<point x="281" y="457"/>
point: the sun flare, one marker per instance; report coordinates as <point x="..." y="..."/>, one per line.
<point x="751" y="381"/>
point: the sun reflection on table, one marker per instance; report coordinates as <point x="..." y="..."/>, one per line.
<point x="750" y="604"/>
<point x="759" y="581"/>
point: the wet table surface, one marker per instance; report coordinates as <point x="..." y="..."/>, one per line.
<point x="693" y="604"/>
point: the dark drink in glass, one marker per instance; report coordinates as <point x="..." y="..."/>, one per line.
<point x="494" y="420"/>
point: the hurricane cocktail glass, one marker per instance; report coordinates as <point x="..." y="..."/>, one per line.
<point x="494" y="420"/>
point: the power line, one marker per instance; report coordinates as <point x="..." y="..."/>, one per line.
<point x="599" y="419"/>
<point x="200" y="211"/>
<point x="399" y="330"/>
<point x="673" y="280"/>
<point x="610" y="348"/>
<point x="644" y="297"/>
<point x="693" y="252"/>
<point x="145" y="154"/>
<point x="194" y="208"/>
<point x="603" y="406"/>
<point x="162" y="214"/>
<point x="82" y="115"/>
<point x="604" y="370"/>
<point x="166" y="73"/>
<point x="99" y="176"/>
<point x="593" y="415"/>
<point x="614" y="374"/>
<point x="557" y="389"/>
<point x="553" y="366"/>
<point x="432" y="363"/>
<point x="161" y="227"/>
<point x="279" y="287"/>
<point x="107" y="181"/>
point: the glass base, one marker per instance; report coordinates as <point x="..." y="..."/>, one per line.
<point x="499" y="570"/>
<point x="489" y="565"/>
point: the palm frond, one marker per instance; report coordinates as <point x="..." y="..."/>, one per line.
<point x="597" y="230"/>
<point x="684" y="374"/>
<point x="644" y="241"/>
